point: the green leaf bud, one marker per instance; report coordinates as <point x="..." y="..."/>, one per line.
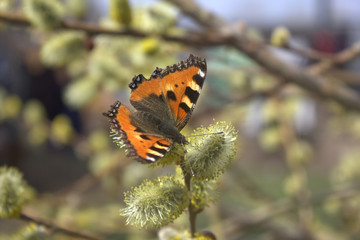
<point x="14" y="192"/>
<point x="120" y="12"/>
<point x="43" y="14"/>
<point x="150" y="45"/>
<point x="6" y="4"/>
<point x="262" y="82"/>
<point x="62" y="130"/>
<point x="99" y="141"/>
<point x="294" y="183"/>
<point x="77" y="8"/>
<point x="81" y="92"/>
<point x="270" y="110"/>
<point x="11" y="106"/>
<point x="348" y="169"/>
<point x="102" y="162"/>
<point x="63" y="48"/>
<point x="280" y="37"/>
<point x="211" y="153"/>
<point x="34" y="112"/>
<point x="270" y="138"/>
<point x="155" y="203"/>
<point x="38" y="133"/>
<point x="298" y="153"/>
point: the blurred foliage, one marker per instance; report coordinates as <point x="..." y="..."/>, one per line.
<point x="31" y="232"/>
<point x="63" y="48"/>
<point x="14" y="192"/>
<point x="44" y="14"/>
<point x="96" y="70"/>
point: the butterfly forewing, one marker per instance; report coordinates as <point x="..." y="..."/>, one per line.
<point x="181" y="85"/>
<point x="146" y="96"/>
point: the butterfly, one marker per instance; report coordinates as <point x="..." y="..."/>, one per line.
<point x="163" y="105"/>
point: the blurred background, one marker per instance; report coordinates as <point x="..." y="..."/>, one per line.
<point x="295" y="175"/>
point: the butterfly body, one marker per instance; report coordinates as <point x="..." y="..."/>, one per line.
<point x="163" y="105"/>
<point x="155" y="126"/>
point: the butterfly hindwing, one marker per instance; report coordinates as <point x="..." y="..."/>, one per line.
<point x="181" y="85"/>
<point x="144" y="147"/>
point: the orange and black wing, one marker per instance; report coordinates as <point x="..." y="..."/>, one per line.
<point x="181" y="85"/>
<point x="142" y="146"/>
<point x="146" y="96"/>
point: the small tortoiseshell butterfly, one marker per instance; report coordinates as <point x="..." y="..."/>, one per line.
<point x="163" y="104"/>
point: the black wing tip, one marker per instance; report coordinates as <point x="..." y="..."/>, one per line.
<point x="192" y="60"/>
<point x="111" y="115"/>
<point x="136" y="81"/>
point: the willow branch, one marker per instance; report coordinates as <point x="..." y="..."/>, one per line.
<point x="192" y="38"/>
<point x="56" y="228"/>
<point x="258" y="52"/>
<point x="309" y="53"/>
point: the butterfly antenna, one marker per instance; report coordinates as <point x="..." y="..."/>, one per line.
<point x="191" y="169"/>
<point x="205" y="134"/>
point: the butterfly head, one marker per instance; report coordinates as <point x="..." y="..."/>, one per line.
<point x="181" y="139"/>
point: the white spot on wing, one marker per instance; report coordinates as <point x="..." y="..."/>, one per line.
<point x="150" y="159"/>
<point x="201" y="73"/>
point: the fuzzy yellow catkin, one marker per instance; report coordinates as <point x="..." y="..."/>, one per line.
<point x="14" y="192"/>
<point x="44" y="14"/>
<point x="212" y="150"/>
<point x="155" y="203"/>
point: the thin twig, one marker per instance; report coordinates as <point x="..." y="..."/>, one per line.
<point x="265" y="93"/>
<point x="309" y="53"/>
<point x="191" y="209"/>
<point x="56" y="228"/>
<point x="340" y="58"/>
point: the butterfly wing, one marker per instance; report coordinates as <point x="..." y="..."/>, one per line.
<point x="181" y="85"/>
<point x="169" y="96"/>
<point x="146" y="96"/>
<point x="144" y="147"/>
